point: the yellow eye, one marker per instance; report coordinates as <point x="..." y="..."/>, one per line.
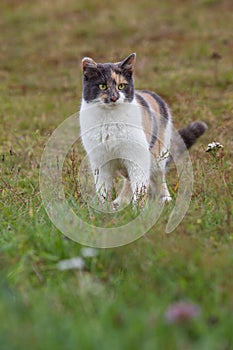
<point x="121" y="86"/>
<point x="102" y="86"/>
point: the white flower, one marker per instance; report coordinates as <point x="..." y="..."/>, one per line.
<point x="69" y="264"/>
<point x="88" y="252"/>
<point x="213" y="146"/>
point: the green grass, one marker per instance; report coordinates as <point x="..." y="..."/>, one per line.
<point x="120" y="299"/>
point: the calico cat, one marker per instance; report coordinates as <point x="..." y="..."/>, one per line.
<point x="123" y="129"/>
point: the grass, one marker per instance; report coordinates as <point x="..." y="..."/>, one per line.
<point x="119" y="300"/>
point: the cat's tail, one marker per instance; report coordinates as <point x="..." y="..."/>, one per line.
<point x="184" y="138"/>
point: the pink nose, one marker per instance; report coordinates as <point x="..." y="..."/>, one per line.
<point x="114" y="98"/>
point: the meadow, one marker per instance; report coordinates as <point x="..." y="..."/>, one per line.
<point x="121" y="297"/>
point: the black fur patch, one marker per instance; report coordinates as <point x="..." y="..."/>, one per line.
<point x="192" y="132"/>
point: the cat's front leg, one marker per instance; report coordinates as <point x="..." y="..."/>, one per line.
<point x="103" y="184"/>
<point x="140" y="190"/>
<point x="139" y="181"/>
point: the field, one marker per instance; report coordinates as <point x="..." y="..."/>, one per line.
<point x="122" y="297"/>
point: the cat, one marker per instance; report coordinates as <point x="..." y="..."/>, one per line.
<point x="124" y="129"/>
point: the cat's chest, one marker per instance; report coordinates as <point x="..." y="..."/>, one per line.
<point x="99" y="126"/>
<point x="111" y="130"/>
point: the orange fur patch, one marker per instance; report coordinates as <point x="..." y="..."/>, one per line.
<point x="119" y="79"/>
<point x="147" y="123"/>
<point x="103" y="96"/>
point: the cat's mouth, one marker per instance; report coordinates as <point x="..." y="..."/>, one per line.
<point x="110" y="104"/>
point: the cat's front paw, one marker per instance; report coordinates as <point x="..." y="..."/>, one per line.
<point x="166" y="199"/>
<point x="120" y="203"/>
<point x="115" y="205"/>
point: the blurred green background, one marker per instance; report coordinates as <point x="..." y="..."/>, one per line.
<point x="119" y="301"/>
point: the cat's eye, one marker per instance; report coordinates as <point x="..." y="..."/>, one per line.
<point x="102" y="86"/>
<point x="121" y="86"/>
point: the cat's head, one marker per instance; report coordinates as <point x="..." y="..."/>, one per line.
<point x="108" y="84"/>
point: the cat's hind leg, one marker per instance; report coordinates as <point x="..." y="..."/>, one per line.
<point x="164" y="192"/>
<point x="158" y="183"/>
<point x="162" y="159"/>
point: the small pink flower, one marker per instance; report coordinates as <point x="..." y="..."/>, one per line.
<point x="182" y="312"/>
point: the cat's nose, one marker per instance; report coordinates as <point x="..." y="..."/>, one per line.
<point x="114" y="98"/>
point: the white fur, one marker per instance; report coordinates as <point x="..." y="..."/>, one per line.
<point x="115" y="143"/>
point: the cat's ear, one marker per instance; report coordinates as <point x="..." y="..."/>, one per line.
<point x="128" y="63"/>
<point x="88" y="62"/>
<point x="89" y="67"/>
